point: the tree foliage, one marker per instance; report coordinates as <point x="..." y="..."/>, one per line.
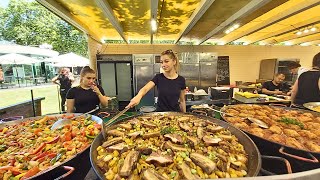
<point x="30" y="24"/>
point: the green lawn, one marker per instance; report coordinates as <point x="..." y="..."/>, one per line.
<point x="49" y="105"/>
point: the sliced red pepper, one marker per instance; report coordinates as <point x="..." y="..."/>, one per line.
<point x="40" y="156"/>
<point x="42" y="145"/>
<point x="31" y="173"/>
<point x="52" y="155"/>
<point x="56" y="139"/>
<point x="40" y="160"/>
<point x="68" y="126"/>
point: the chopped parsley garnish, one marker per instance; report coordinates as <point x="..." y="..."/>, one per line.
<point x="291" y="121"/>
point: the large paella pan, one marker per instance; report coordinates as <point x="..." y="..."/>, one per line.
<point x="29" y="149"/>
<point x="173" y="146"/>
<point x="289" y="128"/>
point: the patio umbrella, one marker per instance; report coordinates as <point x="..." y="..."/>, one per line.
<point x="17" y="59"/>
<point x="68" y="60"/>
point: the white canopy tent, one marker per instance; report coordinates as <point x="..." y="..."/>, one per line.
<point x="68" y="60"/>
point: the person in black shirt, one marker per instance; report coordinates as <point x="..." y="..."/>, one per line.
<point x="87" y="96"/>
<point x="307" y="87"/>
<point x="171" y="86"/>
<point x="276" y="86"/>
<point x="64" y="80"/>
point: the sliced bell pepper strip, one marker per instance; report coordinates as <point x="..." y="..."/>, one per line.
<point x="56" y="139"/>
<point x="90" y="136"/>
<point x="38" y="149"/>
<point x="19" y="176"/>
<point x="33" y="171"/>
<point x="40" y="156"/>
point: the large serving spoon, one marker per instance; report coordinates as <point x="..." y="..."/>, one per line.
<point x="111" y="121"/>
<point x="62" y="122"/>
<point x="254" y="120"/>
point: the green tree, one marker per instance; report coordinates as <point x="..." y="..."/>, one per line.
<point x="29" y="23"/>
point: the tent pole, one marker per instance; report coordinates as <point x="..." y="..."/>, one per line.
<point x="59" y="104"/>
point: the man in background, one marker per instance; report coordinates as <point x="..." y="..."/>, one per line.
<point x="276" y="86"/>
<point x="64" y="80"/>
<point x="296" y="69"/>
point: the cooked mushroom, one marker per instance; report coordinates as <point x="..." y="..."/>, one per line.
<point x="200" y="132"/>
<point x="186" y="172"/>
<point x="205" y="163"/>
<point x="148" y="124"/>
<point x="135" y="134"/>
<point x="144" y="150"/>
<point x="150" y="174"/>
<point x="112" y="142"/>
<point x="214" y="128"/>
<point x="115" y="132"/>
<point x="176" y="138"/>
<point x="226" y="137"/>
<point x="211" y="140"/>
<point x="121" y="147"/>
<point x="185" y="127"/>
<point x="126" y="126"/>
<point x="169" y="145"/>
<point x="192" y="141"/>
<point x="159" y="159"/>
<point x="129" y="162"/>
<point x="150" y="135"/>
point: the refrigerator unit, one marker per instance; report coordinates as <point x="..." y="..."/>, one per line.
<point x="143" y="72"/>
<point x="269" y="67"/>
<point x="115" y="77"/>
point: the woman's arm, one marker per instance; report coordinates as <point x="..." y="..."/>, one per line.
<point x="103" y="99"/>
<point x="143" y="91"/>
<point x="182" y="101"/>
<point x="55" y="79"/>
<point x="70" y="105"/>
<point x="294" y="91"/>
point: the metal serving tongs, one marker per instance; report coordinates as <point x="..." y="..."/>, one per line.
<point x="62" y="122"/>
<point x="253" y="120"/>
<point x="112" y="120"/>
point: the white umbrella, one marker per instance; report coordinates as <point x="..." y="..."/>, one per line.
<point x="68" y="60"/>
<point x="17" y="59"/>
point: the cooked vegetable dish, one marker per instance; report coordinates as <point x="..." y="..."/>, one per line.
<point x="29" y="147"/>
<point x="161" y="146"/>
<point x="293" y="128"/>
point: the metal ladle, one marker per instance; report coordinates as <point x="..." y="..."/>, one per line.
<point x="253" y="120"/>
<point x="62" y="122"/>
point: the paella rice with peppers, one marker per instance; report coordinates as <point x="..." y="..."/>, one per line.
<point x="155" y="147"/>
<point x="29" y="147"/>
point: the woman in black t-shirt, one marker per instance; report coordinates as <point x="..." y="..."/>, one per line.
<point x="171" y="87"/>
<point x="307" y="87"/>
<point x="87" y="95"/>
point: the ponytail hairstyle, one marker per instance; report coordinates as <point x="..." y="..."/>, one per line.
<point x="173" y="56"/>
<point x="86" y="70"/>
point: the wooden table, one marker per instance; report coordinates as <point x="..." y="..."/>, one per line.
<point x="241" y="99"/>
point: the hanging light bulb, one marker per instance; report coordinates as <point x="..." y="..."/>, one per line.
<point x="298" y="33"/>
<point x="313" y="29"/>
<point x="227" y="31"/>
<point x="306" y="30"/>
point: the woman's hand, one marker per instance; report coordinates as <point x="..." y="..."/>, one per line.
<point x="133" y="102"/>
<point x="96" y="90"/>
